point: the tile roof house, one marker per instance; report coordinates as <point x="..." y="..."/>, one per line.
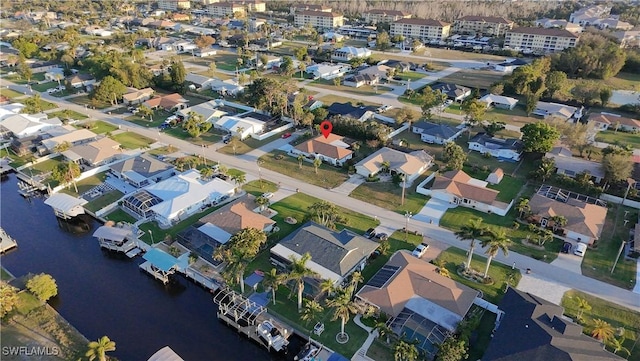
<point x="359" y="80"/>
<point x="605" y="121"/>
<point x="74" y="137"/>
<point x="453" y="91"/>
<point x="142" y="170"/>
<point x="81" y="80"/>
<point x="331" y="149"/>
<point x="98" y="152"/>
<point x="410" y="164"/>
<point x="584" y="220"/>
<point x="436" y="133"/>
<point x="137" y="96"/>
<point x="170" y="102"/>
<point x="407" y="282"/>
<point x="457" y="187"/>
<point x="223" y="223"/>
<point x="334" y="255"/>
<point x="533" y="329"/>
<point x="504" y="149"/>
<point x="565" y="163"/>
<point x="347" y="110"/>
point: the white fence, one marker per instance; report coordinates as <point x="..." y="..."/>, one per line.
<point x="39" y="160"/>
<point x="398" y="131"/>
<point x="275" y="131"/>
<point x="619" y="200"/>
<point x="421" y="189"/>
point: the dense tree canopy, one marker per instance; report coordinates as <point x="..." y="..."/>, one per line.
<point x="454" y="155"/>
<point x="594" y="57"/>
<point x="109" y="90"/>
<point x="43" y="286"/>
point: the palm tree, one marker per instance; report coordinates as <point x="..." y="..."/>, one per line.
<point x="602" y="330"/>
<point x="327" y="286"/>
<point x="236" y="264"/>
<point x="383" y="330"/>
<point x="311" y="310"/>
<point x="558" y="222"/>
<point x="240" y="178"/>
<point x="98" y="349"/>
<point x="617" y="344"/>
<point x="405" y="351"/>
<point x="498" y="241"/>
<point x="583" y="305"/>
<point x="386" y="166"/>
<point x="298" y="270"/>
<point x="206" y="172"/>
<point x="384" y="247"/>
<point x="523" y="206"/>
<point x="356" y="278"/>
<point x="262" y="202"/>
<point x="273" y="280"/>
<point x="300" y="158"/>
<point x="343" y="307"/>
<point x="473" y="230"/>
<point x="316" y="163"/>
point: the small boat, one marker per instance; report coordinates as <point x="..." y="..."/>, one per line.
<point x="308" y="352"/>
<point x="271" y="335"/>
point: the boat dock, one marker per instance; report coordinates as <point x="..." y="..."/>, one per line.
<point x="252" y="320"/>
<point x="6" y="242"/>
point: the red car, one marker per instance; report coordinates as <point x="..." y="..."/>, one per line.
<point x="286" y="135"/>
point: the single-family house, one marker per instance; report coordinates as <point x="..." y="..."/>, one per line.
<point x="81" y="80"/>
<point x="209" y="111"/>
<point x="26" y="125"/>
<point x="561" y="111"/>
<point x="169" y="102"/>
<point x="499" y="101"/>
<point x="458" y="188"/>
<point x="75" y="137"/>
<point x="226" y="87"/>
<point x="347" y="110"/>
<point x="42" y="66"/>
<point x="508" y="149"/>
<point x="585" y="221"/>
<point x="605" y="121"/>
<point x="331" y="149"/>
<point x="334" y="255"/>
<point x="137" y="96"/>
<point x="177" y="197"/>
<point x="453" y="91"/>
<point x="142" y="170"/>
<point x="436" y="133"/>
<point x="55" y="74"/>
<point x="565" y="163"/>
<point x="240" y="127"/>
<point x="509" y="65"/>
<point x="410" y="165"/>
<point x="412" y="293"/>
<point x="328" y="71"/>
<point x="25" y="145"/>
<point x="359" y="80"/>
<point x="347" y="53"/>
<point x="378" y="71"/>
<point x="496" y="176"/>
<point x="223" y="223"/>
<point x="531" y="328"/>
<point x="95" y="153"/>
<point x="204" y="52"/>
<point x="199" y="81"/>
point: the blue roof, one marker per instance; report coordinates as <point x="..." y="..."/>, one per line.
<point x="160" y="259"/>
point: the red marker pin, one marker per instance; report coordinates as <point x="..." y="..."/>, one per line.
<point x="325" y="128"/>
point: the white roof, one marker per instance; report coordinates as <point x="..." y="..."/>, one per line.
<point x="208" y="110"/>
<point x="323" y="273"/>
<point x="357" y="52"/>
<point x="165" y="354"/>
<point x="500" y="99"/>
<point x="215" y="232"/>
<point x="10" y="109"/>
<point x="71" y="137"/>
<point x="112" y="233"/>
<point x="232" y="123"/>
<point x="65" y="203"/>
<point x="23" y="124"/>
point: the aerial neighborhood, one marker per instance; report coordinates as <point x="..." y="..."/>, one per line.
<point x="349" y="180"/>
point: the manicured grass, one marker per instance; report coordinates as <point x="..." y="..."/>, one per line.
<point x="159" y="116"/>
<point x="473" y="78"/>
<point x="120" y="216"/>
<point x="43" y="87"/>
<point x="615" y="315"/>
<point x="258" y="187"/>
<point x="10" y="93"/>
<point x="327" y="176"/>
<point x="389" y="195"/>
<point x="248" y="145"/>
<point x="411" y="75"/>
<point x="84" y="100"/>
<point x="44" y="167"/>
<point x="597" y="262"/>
<point x="103" y="201"/>
<point x="27" y="302"/>
<point x="98" y="126"/>
<point x="367" y="90"/>
<point x="517" y="116"/>
<point x="499" y="273"/>
<point x="63" y="114"/>
<point x="396" y="242"/>
<point x="45" y="105"/>
<point x="459" y="55"/>
<point x="86" y="184"/>
<point x="508" y="188"/>
<point x="208" y="138"/>
<point x="612" y="137"/>
<point x="130" y="140"/>
<point x="380" y="351"/>
<point x="163" y="150"/>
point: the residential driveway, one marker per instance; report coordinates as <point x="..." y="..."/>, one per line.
<point x="352" y="183"/>
<point x="432" y="211"/>
<point x="542" y="287"/>
<point x="569" y="262"/>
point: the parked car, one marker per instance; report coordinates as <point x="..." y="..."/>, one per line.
<point x="566" y="247"/>
<point x="370" y="232"/>
<point x="381" y="237"/>
<point x="420" y="250"/>
<point x="226" y="139"/>
<point x="164" y="126"/>
<point x="580" y="249"/>
<point x="286" y="135"/>
<point x="268" y="195"/>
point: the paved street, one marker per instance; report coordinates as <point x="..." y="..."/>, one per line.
<point x="388" y="219"/>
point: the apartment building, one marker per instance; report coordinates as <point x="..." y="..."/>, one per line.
<point x="486" y="25"/>
<point x="318" y="19"/>
<point x="309" y="7"/>
<point x="230" y="8"/>
<point x="540" y="39"/>
<point x="423" y="29"/>
<point x="384" y="16"/>
<point x="174" y="5"/>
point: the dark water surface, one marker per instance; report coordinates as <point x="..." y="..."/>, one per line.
<point x="106" y="294"/>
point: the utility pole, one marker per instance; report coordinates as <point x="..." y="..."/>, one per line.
<point x="618" y="256"/>
<point x="407" y="215"/>
<point x="404" y="185"/>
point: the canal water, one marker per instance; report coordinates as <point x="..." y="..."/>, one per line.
<point x="106" y="294"/>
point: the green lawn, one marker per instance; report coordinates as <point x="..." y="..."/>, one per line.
<point x="45" y="167"/>
<point x="159" y="116"/>
<point x="499" y="273"/>
<point x="597" y="262"/>
<point x="86" y="184"/>
<point x="4" y="274"/>
<point x="45" y="105"/>
<point x="248" y="145"/>
<point x="131" y="140"/>
<point x="104" y="200"/>
<point x="43" y="87"/>
<point x="10" y="93"/>
<point x="84" y="100"/>
<point x="98" y="126"/>
<point x="163" y="150"/>
<point x="208" y="138"/>
<point x="367" y="90"/>
<point x="473" y="78"/>
<point x="380" y="351"/>
<point x="258" y="187"/>
<point x="411" y="75"/>
<point x="327" y="176"/>
<point x="396" y="242"/>
<point x="120" y="216"/>
<point x="63" y="114"/>
<point x="610" y="312"/>
<point x="27" y="302"/>
<point x="508" y="188"/>
<point x="517" y="116"/>
<point x="612" y="137"/>
<point x="389" y="195"/>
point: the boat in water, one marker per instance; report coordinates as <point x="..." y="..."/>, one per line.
<point x="308" y="352"/>
<point x="272" y="335"/>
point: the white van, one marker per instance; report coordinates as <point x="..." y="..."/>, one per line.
<point x="581" y="248"/>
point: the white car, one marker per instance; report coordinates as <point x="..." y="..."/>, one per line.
<point x="420" y="250"/>
<point x="267" y="195"/>
<point x="580" y="249"/>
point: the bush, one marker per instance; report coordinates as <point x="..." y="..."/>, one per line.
<point x="42" y="286"/>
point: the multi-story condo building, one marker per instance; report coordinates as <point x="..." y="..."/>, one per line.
<point x="309" y="7"/>
<point x="423" y="29"/>
<point x="174" y="5"/>
<point x="384" y="16"/>
<point x="540" y="39"/>
<point x="486" y="25"/>
<point x="231" y="8"/>
<point x="318" y="19"/>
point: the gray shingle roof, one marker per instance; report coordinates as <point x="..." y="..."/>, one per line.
<point x="437" y="130"/>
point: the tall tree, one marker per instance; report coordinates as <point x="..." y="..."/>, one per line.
<point x="594" y="57"/>
<point x="43" y="286"/>
<point x="617" y="344"/>
<point x="312" y="309"/>
<point x="474" y="111"/>
<point x="317" y="162"/>
<point x="492" y="127"/>
<point x="325" y="213"/>
<point x="405" y="351"/>
<point x="204" y="41"/>
<point x="8" y="299"/>
<point x="523" y="207"/>
<point x="539" y="137"/>
<point x="472" y="231"/>
<point x="431" y="98"/>
<point x="497" y="241"/>
<point x="272" y="280"/>
<point x="617" y="167"/>
<point x="454" y="156"/>
<point x="605" y="96"/>
<point x="298" y="271"/>
<point x="452" y="349"/>
<point x="178" y="75"/>
<point x="382" y="41"/>
<point x="109" y="90"/>
<point x="545" y="169"/>
<point x="343" y="307"/>
<point x="98" y="349"/>
<point x="240" y="178"/>
<point x="555" y="82"/>
<point x="195" y="125"/>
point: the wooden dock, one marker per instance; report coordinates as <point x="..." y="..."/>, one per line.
<point x="6" y="242"/>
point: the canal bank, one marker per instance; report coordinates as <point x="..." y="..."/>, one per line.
<point x="103" y="293"/>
